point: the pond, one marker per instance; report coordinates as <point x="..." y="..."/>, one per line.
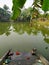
<point x="23" y="37"/>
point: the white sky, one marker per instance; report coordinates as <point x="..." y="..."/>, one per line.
<point x="9" y="3"/>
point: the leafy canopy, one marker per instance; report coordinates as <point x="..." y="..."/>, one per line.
<point x="45" y="5"/>
<point x="18" y="4"/>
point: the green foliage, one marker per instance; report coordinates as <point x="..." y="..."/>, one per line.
<point x="4" y="28"/>
<point x="17" y="5"/>
<point x="27" y="12"/>
<point x="16" y="13"/>
<point x="45" y="5"/>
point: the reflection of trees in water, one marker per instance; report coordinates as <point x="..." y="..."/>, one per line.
<point x="21" y="28"/>
<point x="46" y="40"/>
<point x="18" y="28"/>
<point x="45" y="33"/>
<point x="4" y="28"/>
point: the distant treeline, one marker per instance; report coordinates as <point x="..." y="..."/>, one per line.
<point x="26" y="15"/>
<point x="5" y="14"/>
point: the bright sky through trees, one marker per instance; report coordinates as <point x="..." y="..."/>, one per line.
<point x="9" y="3"/>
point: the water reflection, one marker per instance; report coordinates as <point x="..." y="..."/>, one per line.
<point x="23" y="27"/>
<point x="4" y="28"/>
<point x="24" y="36"/>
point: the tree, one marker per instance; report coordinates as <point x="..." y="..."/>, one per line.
<point x="18" y="4"/>
<point x="45" y="5"/>
<point x="5" y="7"/>
<point x="4" y="15"/>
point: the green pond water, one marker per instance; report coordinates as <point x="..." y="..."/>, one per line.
<point x="24" y="37"/>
